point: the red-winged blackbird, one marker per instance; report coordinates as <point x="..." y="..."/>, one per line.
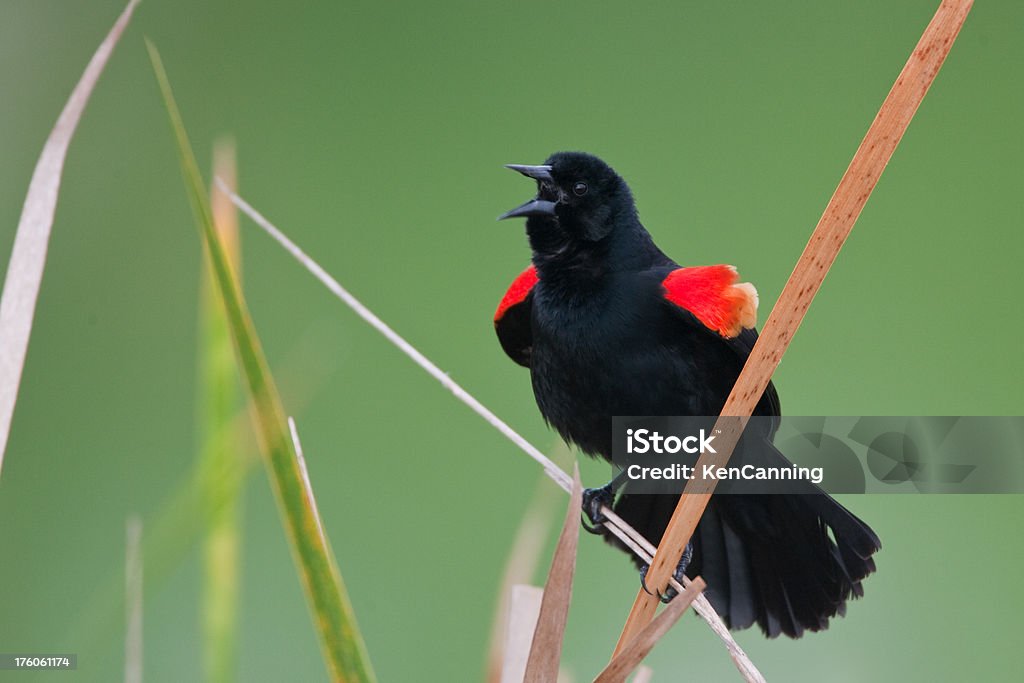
<point x="609" y="325"/>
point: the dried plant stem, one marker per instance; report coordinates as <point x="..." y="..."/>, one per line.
<point x="615" y="525"/>
<point x="639" y="647"/>
<point x="523" y="560"/>
<point x="546" y="649"/>
<point x="524" y="607"/>
<point x="827" y="239"/>
<point x="133" y="601"/>
<point x="644" y="549"/>
<point x="644" y="674"/>
<point x="28" y="256"/>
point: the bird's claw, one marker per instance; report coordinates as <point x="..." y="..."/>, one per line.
<point x="670" y="591"/>
<point x="593" y="501"/>
<point x="665" y="597"/>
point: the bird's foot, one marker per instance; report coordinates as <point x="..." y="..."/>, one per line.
<point x="670" y="592"/>
<point x="593" y="501"/>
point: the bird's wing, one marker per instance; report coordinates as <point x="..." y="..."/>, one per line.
<point x="512" y="319"/>
<point x="712" y="297"/>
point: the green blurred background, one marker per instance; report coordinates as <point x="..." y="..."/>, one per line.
<point x="374" y="134"/>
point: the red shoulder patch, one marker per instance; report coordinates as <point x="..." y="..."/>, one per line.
<point x="519" y="290"/>
<point x="713" y="296"/>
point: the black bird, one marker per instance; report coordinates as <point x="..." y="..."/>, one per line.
<point x="609" y="325"/>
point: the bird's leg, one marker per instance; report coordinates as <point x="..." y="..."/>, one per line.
<point x="670" y="592"/>
<point x="595" y="499"/>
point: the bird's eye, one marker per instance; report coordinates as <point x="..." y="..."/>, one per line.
<point x="580" y="189"/>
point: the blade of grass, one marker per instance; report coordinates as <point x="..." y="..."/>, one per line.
<point x="221" y="459"/>
<point x="342" y="644"/>
<point x="133" y="601"/>
<point x="546" y="650"/>
<point x="28" y="256"/>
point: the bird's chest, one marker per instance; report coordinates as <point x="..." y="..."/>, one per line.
<point x="601" y="355"/>
<point x="579" y="355"/>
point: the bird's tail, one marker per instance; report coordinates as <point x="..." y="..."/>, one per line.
<point x="787" y="562"/>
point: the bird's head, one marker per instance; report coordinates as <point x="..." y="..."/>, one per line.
<point x="579" y="199"/>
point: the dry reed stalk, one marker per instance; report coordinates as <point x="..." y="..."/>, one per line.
<point x="827" y="239"/>
<point x="644" y="674"/>
<point x="623" y="663"/>
<point x="523" y="560"/>
<point x="524" y="607"/>
<point x="546" y="649"/>
<point x="133" y="601"/>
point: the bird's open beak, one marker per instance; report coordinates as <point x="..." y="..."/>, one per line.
<point x="535" y="172"/>
<point x="534" y="207"/>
